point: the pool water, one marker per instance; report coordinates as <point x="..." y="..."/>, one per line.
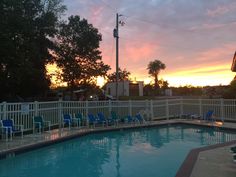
<point x="151" y="152"/>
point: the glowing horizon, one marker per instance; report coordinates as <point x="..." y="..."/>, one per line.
<point x="218" y="75"/>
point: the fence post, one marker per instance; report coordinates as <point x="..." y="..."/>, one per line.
<point x="146" y="105"/>
<point x="109" y="103"/>
<point x="36" y="108"/>
<point x="151" y="109"/>
<point x="130" y="107"/>
<point x="86" y="111"/>
<point x="200" y="107"/>
<point x="181" y="108"/>
<point x="222" y="109"/>
<point x="167" y="109"/>
<point x="60" y="113"/>
<point x="4" y="110"/>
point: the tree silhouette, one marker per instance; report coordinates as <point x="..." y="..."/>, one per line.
<point x="163" y="84"/>
<point x="26" y="27"/>
<point x="123" y="75"/>
<point x="77" y="52"/>
<point x="154" y="68"/>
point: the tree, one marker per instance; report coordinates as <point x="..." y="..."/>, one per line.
<point x="230" y="92"/>
<point x="77" y="52"/>
<point x="154" y="68"/>
<point x="123" y="75"/>
<point x="163" y="84"/>
<point x="26" y="27"/>
<point x="148" y="90"/>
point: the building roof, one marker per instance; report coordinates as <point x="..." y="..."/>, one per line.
<point x="233" y="67"/>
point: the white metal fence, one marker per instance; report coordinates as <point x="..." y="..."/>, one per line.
<point x="22" y="113"/>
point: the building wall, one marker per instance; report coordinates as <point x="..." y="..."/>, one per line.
<point x="123" y="88"/>
<point x="140" y="85"/>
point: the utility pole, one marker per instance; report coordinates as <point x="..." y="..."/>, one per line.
<point x="116" y="35"/>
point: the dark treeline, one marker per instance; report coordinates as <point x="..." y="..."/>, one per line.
<point x="32" y="35"/>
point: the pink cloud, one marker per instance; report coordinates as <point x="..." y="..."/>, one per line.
<point x="139" y="52"/>
<point x="218" y="54"/>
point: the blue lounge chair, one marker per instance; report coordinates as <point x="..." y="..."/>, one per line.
<point x="68" y="120"/>
<point x="115" y="117"/>
<point x="9" y="128"/>
<point x="129" y="119"/>
<point x="102" y="119"/>
<point x="209" y="116"/>
<point x="39" y="123"/>
<point x="139" y="118"/>
<point x="81" y="120"/>
<point x="92" y="119"/>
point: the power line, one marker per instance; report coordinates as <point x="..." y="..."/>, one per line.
<point x="110" y="7"/>
<point x="142" y="20"/>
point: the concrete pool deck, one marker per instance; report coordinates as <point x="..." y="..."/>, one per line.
<point x="216" y="161"/>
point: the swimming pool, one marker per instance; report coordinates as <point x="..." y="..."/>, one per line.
<point x="152" y="152"/>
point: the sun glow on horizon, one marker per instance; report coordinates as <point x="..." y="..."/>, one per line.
<point x="100" y="81"/>
<point x="201" y="76"/>
<point x="52" y="70"/>
<point x="204" y="76"/>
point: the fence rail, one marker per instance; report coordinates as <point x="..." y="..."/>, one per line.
<point x="22" y="113"/>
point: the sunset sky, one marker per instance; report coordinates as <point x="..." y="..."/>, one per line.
<point x="196" y="39"/>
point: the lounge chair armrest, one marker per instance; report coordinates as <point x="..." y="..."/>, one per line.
<point x="47" y="122"/>
<point x="75" y="119"/>
<point x="21" y="127"/>
<point x="39" y="123"/>
<point x="195" y="116"/>
<point x="6" y="127"/>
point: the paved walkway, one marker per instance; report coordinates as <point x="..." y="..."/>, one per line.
<point x="216" y="162"/>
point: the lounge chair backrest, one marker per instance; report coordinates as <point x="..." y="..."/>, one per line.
<point x="130" y="119"/>
<point x="101" y="116"/>
<point x="209" y="114"/>
<point x="114" y="115"/>
<point x="66" y="116"/>
<point x="139" y="117"/>
<point x="91" y="117"/>
<point x="7" y="123"/>
<point x="79" y="116"/>
<point x="38" y="119"/>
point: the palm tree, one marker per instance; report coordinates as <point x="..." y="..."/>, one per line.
<point x="154" y="68"/>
